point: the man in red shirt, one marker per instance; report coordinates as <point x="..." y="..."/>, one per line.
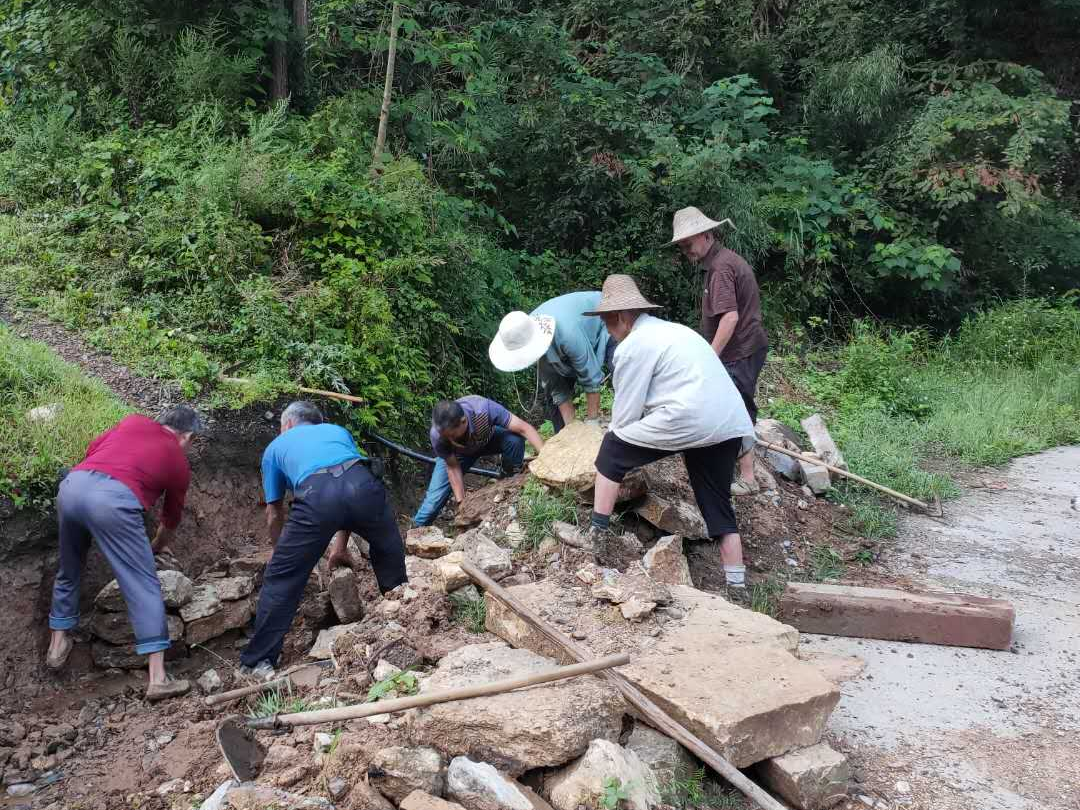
<point x="126" y="471"/>
<point x="730" y="318"/>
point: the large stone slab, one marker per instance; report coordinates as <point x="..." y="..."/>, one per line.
<point x="726" y="673"/>
<point x="929" y="618"/>
<point x="116" y="629"/>
<point x="232" y="616"/>
<point x="543" y="726"/>
<point x="568" y="460"/>
<point x="582" y="783"/>
<point x="811" y="778"/>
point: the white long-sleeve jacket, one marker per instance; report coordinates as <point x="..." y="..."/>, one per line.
<point x="671" y="390"/>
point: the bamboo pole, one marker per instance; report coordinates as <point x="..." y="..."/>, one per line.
<point x="656" y="716"/>
<point x="442" y="696"/>
<point x="846" y="474"/>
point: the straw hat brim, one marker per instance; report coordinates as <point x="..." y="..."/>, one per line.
<point x="505" y="359"/>
<point x="704" y="226"/>
<point x="605" y="308"/>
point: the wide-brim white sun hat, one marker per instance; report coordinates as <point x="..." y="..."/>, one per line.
<point x="689" y="222"/>
<point x="521" y="341"/>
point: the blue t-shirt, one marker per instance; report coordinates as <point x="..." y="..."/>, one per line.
<point x="300" y="451"/>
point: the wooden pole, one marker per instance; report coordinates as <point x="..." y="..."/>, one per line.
<point x="384" y="112"/>
<point x="846" y="474"/>
<point x="656" y="716"/>
<point x="442" y="696"/>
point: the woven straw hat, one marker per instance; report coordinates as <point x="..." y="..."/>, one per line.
<point x="621" y="293"/>
<point x="521" y="341"/>
<point x="689" y="222"/>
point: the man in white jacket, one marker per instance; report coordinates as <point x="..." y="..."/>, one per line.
<point x="672" y="395"/>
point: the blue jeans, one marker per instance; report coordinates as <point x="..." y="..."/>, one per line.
<point x="509" y="445"/>
<point x="93" y="504"/>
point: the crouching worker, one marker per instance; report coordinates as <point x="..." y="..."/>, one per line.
<point x="334" y="491"/>
<point x="672" y="395"/>
<point x="126" y="470"/>
<point x="463" y="431"/>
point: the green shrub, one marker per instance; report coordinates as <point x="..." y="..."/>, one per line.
<point x="1027" y="332"/>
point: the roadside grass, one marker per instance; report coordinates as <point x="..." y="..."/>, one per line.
<point x="471" y="613"/>
<point x="826" y="563"/>
<point x="277" y="701"/>
<point x="689" y="791"/>
<point x="32" y="452"/>
<point x="765" y="596"/>
<point x="1006" y="384"/>
<point x="539" y="507"/>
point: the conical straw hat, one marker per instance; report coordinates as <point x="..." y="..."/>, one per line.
<point x="621" y="293"/>
<point x="689" y="222"/>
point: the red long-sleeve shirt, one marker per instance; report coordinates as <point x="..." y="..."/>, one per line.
<point x="148" y="459"/>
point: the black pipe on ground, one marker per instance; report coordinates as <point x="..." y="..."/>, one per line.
<point x="416" y="456"/>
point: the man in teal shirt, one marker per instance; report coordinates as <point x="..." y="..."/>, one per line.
<point x="572" y="349"/>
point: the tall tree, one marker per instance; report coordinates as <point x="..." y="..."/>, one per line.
<point x="384" y="113"/>
<point x="279" y="58"/>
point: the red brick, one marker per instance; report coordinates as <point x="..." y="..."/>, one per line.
<point x="955" y="620"/>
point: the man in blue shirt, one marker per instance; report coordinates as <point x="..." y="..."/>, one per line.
<point x="461" y="432"/>
<point x="572" y="349"/>
<point x="334" y="492"/>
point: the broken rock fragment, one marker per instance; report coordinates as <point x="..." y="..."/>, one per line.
<point x="633" y="584"/>
<point x="325" y="641"/>
<point x="204" y="602"/>
<point x="176" y="591"/>
<point x="427" y="542"/>
<point x="229" y="589"/>
<point x="666" y="758"/>
<point x="478" y="786"/>
<point x="232" y="616"/>
<point x="418" y="800"/>
<point x="811" y="778"/>
<point x="568" y="458"/>
<point x="345" y="595"/>
<point x="396" y="772"/>
<point x="583" y="781"/>
<point x="116" y="629"/>
<point x="666" y="563"/>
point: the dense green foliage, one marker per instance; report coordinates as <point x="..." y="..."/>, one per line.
<point x="914" y="161"/>
<point x="73" y="410"/>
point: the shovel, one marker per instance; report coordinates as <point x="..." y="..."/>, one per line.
<point x="244" y="754"/>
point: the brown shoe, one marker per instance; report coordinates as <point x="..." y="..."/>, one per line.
<point x="57" y="661"/>
<point x="170" y="689"/>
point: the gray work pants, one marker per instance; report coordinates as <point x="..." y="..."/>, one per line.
<point x="91" y="504"/>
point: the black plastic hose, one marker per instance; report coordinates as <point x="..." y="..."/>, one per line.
<point x="413" y="454"/>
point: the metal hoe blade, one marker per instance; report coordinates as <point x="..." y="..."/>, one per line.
<point x="241" y="750"/>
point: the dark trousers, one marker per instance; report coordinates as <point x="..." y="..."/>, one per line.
<point x="710" y="470"/>
<point x="323" y="505"/>
<point x="744" y="372"/>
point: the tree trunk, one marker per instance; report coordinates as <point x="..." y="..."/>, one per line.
<point x="279" y="67"/>
<point x="384" y="113"/>
<point x="300" y="31"/>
